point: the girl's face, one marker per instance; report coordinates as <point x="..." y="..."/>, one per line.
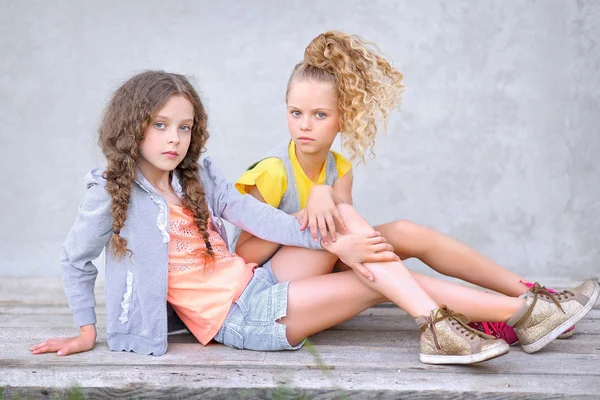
<point x="167" y="138"/>
<point x="313" y="115"/>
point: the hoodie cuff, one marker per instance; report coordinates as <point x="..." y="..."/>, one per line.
<point x="84" y="316"/>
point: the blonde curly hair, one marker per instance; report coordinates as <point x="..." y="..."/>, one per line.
<point x="366" y="85"/>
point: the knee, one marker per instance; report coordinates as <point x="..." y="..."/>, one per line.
<point x="406" y="228"/>
<point x="416" y="239"/>
<point x="353" y="220"/>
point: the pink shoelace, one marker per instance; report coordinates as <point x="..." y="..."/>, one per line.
<point x="494" y="328"/>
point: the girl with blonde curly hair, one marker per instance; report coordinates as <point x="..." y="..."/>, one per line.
<point x="157" y="210"/>
<point x="344" y="85"/>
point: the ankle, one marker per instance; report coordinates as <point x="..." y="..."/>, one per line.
<point x="523" y="287"/>
<point x="519" y="310"/>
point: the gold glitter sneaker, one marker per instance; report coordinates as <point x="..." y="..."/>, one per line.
<point x="547" y="315"/>
<point x="447" y="338"/>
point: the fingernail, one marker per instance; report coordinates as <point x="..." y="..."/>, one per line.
<point x="60" y="353"/>
<point x="371" y="278"/>
<point x="325" y="242"/>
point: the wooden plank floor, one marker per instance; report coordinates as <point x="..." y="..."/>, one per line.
<point x="374" y="355"/>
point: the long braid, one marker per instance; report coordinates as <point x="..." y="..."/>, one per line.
<point x="195" y="201"/>
<point x="119" y="180"/>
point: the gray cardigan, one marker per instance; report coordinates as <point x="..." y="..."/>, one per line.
<point x="136" y="286"/>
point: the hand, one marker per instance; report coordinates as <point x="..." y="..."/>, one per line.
<point x="65" y="346"/>
<point x="356" y="249"/>
<point x="321" y="214"/>
<point x="301" y="217"/>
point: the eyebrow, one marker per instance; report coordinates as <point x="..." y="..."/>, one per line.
<point x="169" y="119"/>
<point x="316" y="109"/>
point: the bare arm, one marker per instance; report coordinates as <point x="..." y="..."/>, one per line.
<point x="251" y="248"/>
<point x="321" y="208"/>
<point x="342" y="188"/>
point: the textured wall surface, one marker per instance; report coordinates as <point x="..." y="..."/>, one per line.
<point x="497" y="143"/>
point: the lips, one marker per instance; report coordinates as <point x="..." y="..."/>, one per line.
<point x="306" y="139"/>
<point x="171" y="155"/>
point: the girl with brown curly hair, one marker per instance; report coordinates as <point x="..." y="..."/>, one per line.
<point x="344" y="85"/>
<point x="158" y="214"/>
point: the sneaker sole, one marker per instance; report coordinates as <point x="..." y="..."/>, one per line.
<point x="568" y="334"/>
<point x="489" y="354"/>
<point x="564" y="335"/>
<point x="542" y="342"/>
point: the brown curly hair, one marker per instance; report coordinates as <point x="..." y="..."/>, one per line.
<point x="366" y="85"/>
<point x="124" y="122"/>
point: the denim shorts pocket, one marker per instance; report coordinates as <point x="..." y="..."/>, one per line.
<point x="232" y="338"/>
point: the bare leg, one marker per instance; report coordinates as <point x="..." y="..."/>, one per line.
<point x="443" y="253"/>
<point x="475" y="304"/>
<point x="293" y="263"/>
<point x="458" y="298"/>
<point x="319" y="302"/>
<point x="450" y="257"/>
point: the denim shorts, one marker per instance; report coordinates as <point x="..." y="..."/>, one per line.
<point x="251" y="322"/>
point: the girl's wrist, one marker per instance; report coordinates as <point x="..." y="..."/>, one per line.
<point x="88" y="330"/>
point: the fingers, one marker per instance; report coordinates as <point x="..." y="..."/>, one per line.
<point x="303" y="220"/>
<point x="380" y="253"/>
<point x="381" y="247"/>
<point x="339" y="219"/>
<point x="376" y="240"/>
<point x="312" y="222"/>
<point x="49" y="346"/>
<point x="364" y="271"/>
<point x="331" y="226"/>
<point x="322" y="228"/>
<point x="64" y="346"/>
<point x="69" y="348"/>
<point x="36" y="346"/>
<point x="375" y="234"/>
<point x="39" y="348"/>
<point x="385" y="256"/>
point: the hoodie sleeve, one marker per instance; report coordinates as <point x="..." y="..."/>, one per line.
<point x="86" y="239"/>
<point x="251" y="215"/>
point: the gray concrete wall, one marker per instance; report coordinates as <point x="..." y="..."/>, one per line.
<point x="497" y="143"/>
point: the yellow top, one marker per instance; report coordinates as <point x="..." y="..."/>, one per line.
<point x="270" y="178"/>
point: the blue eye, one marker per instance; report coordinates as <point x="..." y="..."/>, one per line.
<point x="296" y="113"/>
<point x="159" y="125"/>
<point x="320" y="115"/>
<point x="186" y="128"/>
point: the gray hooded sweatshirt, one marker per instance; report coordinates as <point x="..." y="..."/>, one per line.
<point x="136" y="285"/>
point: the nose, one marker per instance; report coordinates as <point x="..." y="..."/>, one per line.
<point x="173" y="137"/>
<point x="305" y="124"/>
